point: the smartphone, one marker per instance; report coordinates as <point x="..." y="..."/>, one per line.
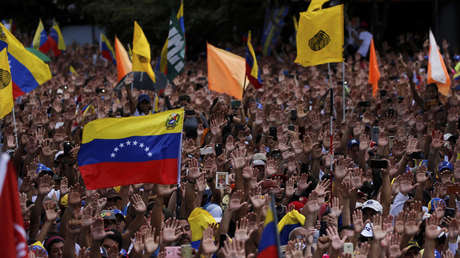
<point x="173" y="252"/>
<point x="379" y="163"/>
<point x="291" y="127"/>
<point x="348" y="248"/>
<point x="375" y="134"/>
<point x="449" y="212"/>
<point x="186" y="250"/>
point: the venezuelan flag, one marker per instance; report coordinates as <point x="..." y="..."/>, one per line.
<point x="56" y="40"/>
<point x="27" y="70"/>
<point x="252" y="69"/>
<point x="106" y="49"/>
<point x="199" y="220"/>
<point x="289" y="222"/>
<point x="132" y="150"/>
<point x="268" y="247"/>
<point x="40" y="37"/>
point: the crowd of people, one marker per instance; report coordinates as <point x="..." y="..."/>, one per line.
<point x="390" y="190"/>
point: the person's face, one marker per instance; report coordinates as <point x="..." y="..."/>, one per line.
<point x="368" y="213"/>
<point x="112" y="248"/>
<point x="144" y="106"/>
<point x="185" y="232"/>
<point x="110" y="224"/>
<point x="431" y="92"/>
<point x="57" y="250"/>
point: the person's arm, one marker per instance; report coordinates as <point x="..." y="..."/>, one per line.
<point x="386" y="191"/>
<point x="431" y="233"/>
<point x="140" y="207"/>
<point x="72" y="232"/>
<point x="131" y="101"/>
<point x="51" y="215"/>
<point x="45" y="184"/>
<point x="98" y="234"/>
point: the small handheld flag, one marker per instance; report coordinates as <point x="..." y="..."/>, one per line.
<point x="252" y="68"/>
<point x="374" y="73"/>
<point x="106" y="49"/>
<point x="437" y="72"/>
<point x="40" y="37"/>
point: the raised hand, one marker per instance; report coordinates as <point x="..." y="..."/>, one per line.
<point x="170" y="232"/>
<point x="242" y="231"/>
<point x="88" y="216"/>
<point x="340" y="170"/>
<point x="138" y="203"/>
<point x="336" y="242"/>
<point x="238" y="159"/>
<point x="290" y="187"/>
<point x="412" y="223"/>
<point x="233" y="248"/>
<point x="363" y="250"/>
<point x="97" y="230"/>
<point x="64" y="187"/>
<point x="138" y="242"/>
<point x="235" y="201"/>
<point x="323" y="188"/>
<point x="379" y="232"/>
<point x="75" y="196"/>
<point x="194" y="169"/>
<point x="406" y="183"/>
<point x="45" y="184"/>
<point x="294" y="248"/>
<point x="272" y="167"/>
<point x="358" y="221"/>
<point x="151" y="240"/>
<point x="302" y="184"/>
<point x="257" y="199"/>
<point x="431" y="230"/>
<point x="336" y="207"/>
<point x="51" y="211"/>
<point x="208" y="243"/>
<point x="394" y="249"/>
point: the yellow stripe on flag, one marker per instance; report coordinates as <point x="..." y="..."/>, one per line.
<point x="141" y="53"/>
<point x="6" y="86"/>
<point x="117" y="128"/>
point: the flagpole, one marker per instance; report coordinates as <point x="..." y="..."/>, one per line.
<point x="275" y="218"/>
<point x="15" y="129"/>
<point x="344" y="105"/>
<point x="331" y="147"/>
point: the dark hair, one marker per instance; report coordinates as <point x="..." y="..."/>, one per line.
<point x="51" y="240"/>
<point x="116" y="236"/>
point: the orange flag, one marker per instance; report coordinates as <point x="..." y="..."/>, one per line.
<point x="124" y="65"/>
<point x="226" y="72"/>
<point x="437" y="72"/>
<point x="374" y="73"/>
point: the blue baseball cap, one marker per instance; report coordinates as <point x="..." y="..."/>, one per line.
<point x="445" y="165"/>
<point x="143" y="97"/>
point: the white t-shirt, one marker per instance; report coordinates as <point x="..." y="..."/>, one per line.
<point x="366" y="37"/>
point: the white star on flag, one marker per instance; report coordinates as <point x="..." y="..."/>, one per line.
<point x="116" y="149"/>
<point x="128" y="143"/>
<point x="147" y="149"/>
<point x="149" y="154"/>
<point x="112" y="155"/>
<point x="141" y="145"/>
<point x="122" y="145"/>
<point x="135" y="142"/>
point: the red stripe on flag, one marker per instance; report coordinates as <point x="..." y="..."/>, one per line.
<point x="269" y="252"/>
<point x="17" y="92"/>
<point x="109" y="174"/>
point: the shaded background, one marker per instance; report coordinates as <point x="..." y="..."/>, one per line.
<point x="224" y="22"/>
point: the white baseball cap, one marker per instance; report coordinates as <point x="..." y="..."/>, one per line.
<point x="373" y="204"/>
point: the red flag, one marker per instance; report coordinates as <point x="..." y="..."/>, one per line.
<point x="374" y="73"/>
<point x="12" y="236"/>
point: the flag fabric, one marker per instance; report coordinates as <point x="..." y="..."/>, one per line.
<point x="13" y="241"/>
<point x="172" y="56"/>
<point x="132" y="150"/>
<point x="141" y="53"/>
<point x="374" y="73"/>
<point x="6" y="87"/>
<point x="296" y="23"/>
<point x="40" y="37"/>
<point x="289" y="222"/>
<point x="27" y="70"/>
<point x="106" y="49"/>
<point x="42" y="167"/>
<point x="124" y="65"/>
<point x="274" y="22"/>
<point x="320" y="35"/>
<point x="199" y="220"/>
<point x="226" y="72"/>
<point x="268" y="247"/>
<point x="252" y="69"/>
<point x="55" y="40"/>
<point x="437" y="72"/>
<point x="72" y="70"/>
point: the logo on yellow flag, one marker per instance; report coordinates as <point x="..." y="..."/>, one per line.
<point x="319" y="41"/>
<point x="5" y="78"/>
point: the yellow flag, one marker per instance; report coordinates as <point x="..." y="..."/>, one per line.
<point x="141" y="53"/>
<point x="6" y="87"/>
<point x="320" y="35"/>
